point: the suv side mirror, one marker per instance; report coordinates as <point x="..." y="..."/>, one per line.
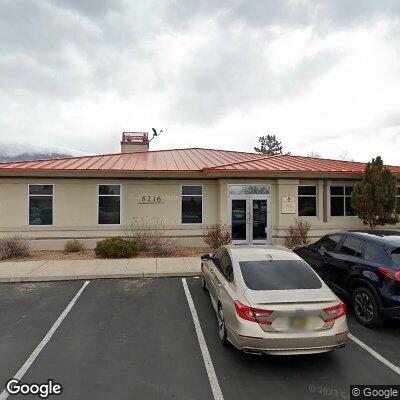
<point x="206" y="257"/>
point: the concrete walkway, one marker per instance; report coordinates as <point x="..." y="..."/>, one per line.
<point x="33" y="271"/>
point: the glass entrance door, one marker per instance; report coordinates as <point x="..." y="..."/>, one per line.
<point x="249" y="219"/>
<point x="239" y="219"/>
<point x="258" y="220"/>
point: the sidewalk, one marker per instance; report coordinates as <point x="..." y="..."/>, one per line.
<point x="33" y="271"/>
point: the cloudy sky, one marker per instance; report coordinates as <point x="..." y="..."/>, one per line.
<point x="324" y="76"/>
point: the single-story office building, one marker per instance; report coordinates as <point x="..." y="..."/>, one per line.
<point x="184" y="190"/>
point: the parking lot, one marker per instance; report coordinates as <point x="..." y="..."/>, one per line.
<point x="136" y="339"/>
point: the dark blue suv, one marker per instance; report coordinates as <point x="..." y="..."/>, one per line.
<point x="363" y="266"/>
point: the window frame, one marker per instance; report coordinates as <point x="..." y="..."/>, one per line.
<point x="341" y="236"/>
<point x="41" y="195"/>
<point x="363" y="241"/>
<point x="307" y="195"/>
<point x="222" y="270"/>
<point x="342" y="196"/>
<point x="397" y="210"/>
<point x="192" y="195"/>
<point x="109" y="195"/>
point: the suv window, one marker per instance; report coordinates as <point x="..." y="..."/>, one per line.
<point x="352" y="247"/>
<point x="374" y="253"/>
<point x="396" y="256"/>
<point x="328" y="243"/>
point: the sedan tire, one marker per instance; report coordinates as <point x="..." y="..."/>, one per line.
<point x="223" y="334"/>
<point x="204" y="284"/>
<point x="366" y="308"/>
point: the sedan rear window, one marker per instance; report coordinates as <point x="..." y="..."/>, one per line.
<point x="396" y="256"/>
<point x="278" y="275"/>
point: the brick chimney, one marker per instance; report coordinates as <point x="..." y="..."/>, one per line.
<point x="133" y="142"/>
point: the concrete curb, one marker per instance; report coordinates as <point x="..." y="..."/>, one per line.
<point x="102" y="276"/>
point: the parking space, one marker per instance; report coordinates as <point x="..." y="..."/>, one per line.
<point x="136" y="339"/>
<point x="27" y="311"/>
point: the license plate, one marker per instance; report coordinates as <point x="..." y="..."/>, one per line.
<point x="298" y="322"/>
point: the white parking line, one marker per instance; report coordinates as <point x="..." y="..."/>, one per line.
<point x="382" y="359"/>
<point x="19" y="375"/>
<point x="212" y="377"/>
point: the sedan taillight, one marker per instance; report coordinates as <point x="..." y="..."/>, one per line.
<point x="253" y="314"/>
<point x="390" y="273"/>
<point x="335" y="312"/>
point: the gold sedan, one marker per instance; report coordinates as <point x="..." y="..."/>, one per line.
<point x="268" y="300"/>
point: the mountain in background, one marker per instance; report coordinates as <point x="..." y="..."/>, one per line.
<point x="30" y="156"/>
<point x="12" y="151"/>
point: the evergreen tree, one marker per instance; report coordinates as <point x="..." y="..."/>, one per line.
<point x="269" y="144"/>
<point x="374" y="198"/>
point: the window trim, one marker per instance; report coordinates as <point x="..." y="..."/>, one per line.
<point x="308" y="195"/>
<point x="363" y="241"/>
<point x="338" y="244"/>
<point x="41" y="195"/>
<point x="202" y="205"/>
<point x="109" y="195"/>
<point x="342" y="196"/>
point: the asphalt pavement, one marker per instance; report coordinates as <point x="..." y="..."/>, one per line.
<point x="135" y="339"/>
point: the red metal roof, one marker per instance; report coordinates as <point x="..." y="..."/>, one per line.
<point x="289" y="163"/>
<point x="162" y="160"/>
<point x="190" y="160"/>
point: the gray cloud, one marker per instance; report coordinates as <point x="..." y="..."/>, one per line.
<point x="61" y="51"/>
<point x="234" y="74"/>
<point x="320" y="13"/>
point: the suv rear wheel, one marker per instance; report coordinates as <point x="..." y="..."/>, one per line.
<point x="366" y="308"/>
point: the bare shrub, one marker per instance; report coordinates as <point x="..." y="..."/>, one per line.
<point x="297" y="234"/>
<point x="148" y="234"/>
<point x="217" y="235"/>
<point x="164" y="247"/>
<point x="74" y="246"/>
<point x="14" y="247"/>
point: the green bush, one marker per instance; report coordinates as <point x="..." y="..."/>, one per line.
<point x="115" y="247"/>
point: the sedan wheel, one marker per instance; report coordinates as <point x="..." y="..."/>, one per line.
<point x="223" y="336"/>
<point x="366" y="308"/>
<point x="204" y="284"/>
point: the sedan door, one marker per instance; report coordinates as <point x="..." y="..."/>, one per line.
<point x="225" y="287"/>
<point x="213" y="279"/>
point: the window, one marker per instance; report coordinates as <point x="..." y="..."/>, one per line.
<point x="398" y="200"/>
<point x="374" y="253"/>
<point x="307" y="201"/>
<point x="396" y="256"/>
<point x="192" y="204"/>
<point x="328" y="243"/>
<point x="226" y="266"/>
<point x="341" y="201"/>
<point x="109" y="204"/>
<point x="352" y="247"/>
<point x="278" y="275"/>
<point x="40" y="204"/>
<point x="248" y="189"/>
